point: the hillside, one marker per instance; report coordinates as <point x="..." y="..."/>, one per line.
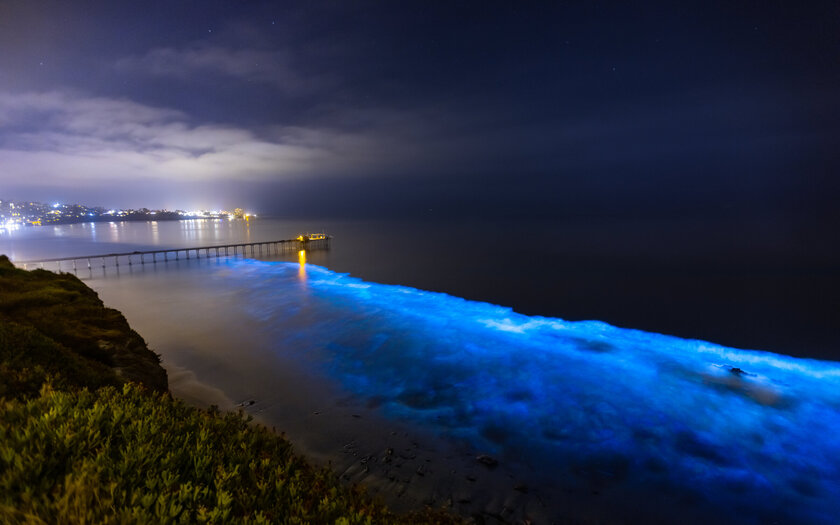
<point x="90" y="434"/>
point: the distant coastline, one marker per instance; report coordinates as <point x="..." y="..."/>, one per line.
<point x="15" y="214"/>
<point x="139" y="217"/>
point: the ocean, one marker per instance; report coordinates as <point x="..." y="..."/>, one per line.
<point x="470" y="365"/>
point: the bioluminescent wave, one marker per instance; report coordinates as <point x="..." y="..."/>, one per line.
<point x="749" y="435"/>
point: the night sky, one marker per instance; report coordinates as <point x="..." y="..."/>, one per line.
<point x="657" y="111"/>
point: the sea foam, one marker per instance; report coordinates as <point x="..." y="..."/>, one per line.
<point x="749" y="434"/>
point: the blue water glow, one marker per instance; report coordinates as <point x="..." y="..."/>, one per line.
<point x="747" y="435"/>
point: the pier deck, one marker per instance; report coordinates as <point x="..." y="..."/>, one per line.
<point x="302" y="242"/>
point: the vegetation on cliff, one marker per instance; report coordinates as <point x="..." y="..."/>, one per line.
<point x="128" y="456"/>
<point x="81" y="442"/>
<point x="53" y="325"/>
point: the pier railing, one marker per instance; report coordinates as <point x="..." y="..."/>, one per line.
<point x="174" y="254"/>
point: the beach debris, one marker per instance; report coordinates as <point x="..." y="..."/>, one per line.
<point x="735" y="371"/>
<point x="420" y="471"/>
<point x="487" y="461"/>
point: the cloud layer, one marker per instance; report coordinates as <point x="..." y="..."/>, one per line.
<point x="62" y="139"/>
<point x="251" y="65"/>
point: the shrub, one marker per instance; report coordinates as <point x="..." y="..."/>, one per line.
<point x="130" y="456"/>
<point x="55" y="321"/>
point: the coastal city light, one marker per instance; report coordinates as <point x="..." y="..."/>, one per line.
<point x="30" y="213"/>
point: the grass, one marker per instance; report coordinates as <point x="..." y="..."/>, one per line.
<point x="131" y="456"/>
<point x="46" y="314"/>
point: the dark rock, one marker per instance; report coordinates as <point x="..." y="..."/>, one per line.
<point x="487" y="461"/>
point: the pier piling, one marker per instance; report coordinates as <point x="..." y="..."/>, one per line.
<point x="307" y="242"/>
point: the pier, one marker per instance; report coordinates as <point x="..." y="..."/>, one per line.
<point x="318" y="241"/>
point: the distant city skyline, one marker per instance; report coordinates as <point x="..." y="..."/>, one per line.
<point x="15" y="214"/>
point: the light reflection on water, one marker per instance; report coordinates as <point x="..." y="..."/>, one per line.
<point x="108" y="237"/>
<point x="302" y="263"/>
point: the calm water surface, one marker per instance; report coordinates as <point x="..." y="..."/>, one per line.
<point x="756" y="286"/>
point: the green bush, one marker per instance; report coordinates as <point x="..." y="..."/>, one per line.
<point x="28" y="359"/>
<point x="55" y="321"/>
<point x="131" y="456"/>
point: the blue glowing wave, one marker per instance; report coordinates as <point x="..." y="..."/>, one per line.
<point x="752" y="432"/>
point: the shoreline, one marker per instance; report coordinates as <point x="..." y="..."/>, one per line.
<point x="66" y="357"/>
<point x="405" y="467"/>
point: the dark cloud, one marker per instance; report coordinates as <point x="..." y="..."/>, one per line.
<point x="248" y="65"/>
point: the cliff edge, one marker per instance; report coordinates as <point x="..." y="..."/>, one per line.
<point x="53" y="326"/>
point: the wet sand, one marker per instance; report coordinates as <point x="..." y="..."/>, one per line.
<point x="401" y="464"/>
